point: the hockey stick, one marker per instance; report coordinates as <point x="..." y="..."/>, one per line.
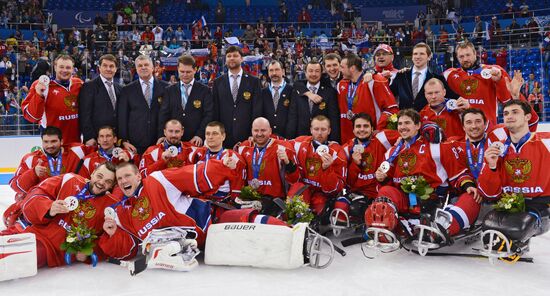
<point x="135" y="267"/>
<point x="442" y="254"/>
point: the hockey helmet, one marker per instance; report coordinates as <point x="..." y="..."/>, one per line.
<point x="381" y="213"/>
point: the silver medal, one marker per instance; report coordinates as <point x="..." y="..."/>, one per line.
<point x="71" y="203"/>
<point x="451" y="104"/>
<point x="350" y="114"/>
<point x="385" y="166"/>
<point x="173" y="151"/>
<point x="254" y="183"/>
<point x="359" y="148"/>
<point x="499" y="146"/>
<point x="486" y="73"/>
<point x="117" y="151"/>
<point x="44" y="79"/>
<point x="322" y="149"/>
<point x="281" y="148"/>
<point x="109" y="213"/>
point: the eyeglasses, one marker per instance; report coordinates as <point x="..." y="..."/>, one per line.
<point x="382" y="53"/>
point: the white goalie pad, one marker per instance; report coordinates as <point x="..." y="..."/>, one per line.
<point x="172" y="248"/>
<point x="17" y="256"/>
<point x="256" y="245"/>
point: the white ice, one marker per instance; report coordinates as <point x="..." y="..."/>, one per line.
<point x="398" y="273"/>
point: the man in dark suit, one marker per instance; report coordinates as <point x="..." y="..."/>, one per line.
<point x="330" y="78"/>
<point x="276" y="99"/>
<point x="98" y="100"/>
<point x="138" y="108"/>
<point x="303" y="109"/>
<point x="408" y="85"/>
<point x="188" y="101"/>
<point x="236" y="98"/>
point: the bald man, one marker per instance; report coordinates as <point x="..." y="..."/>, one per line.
<point x="270" y="163"/>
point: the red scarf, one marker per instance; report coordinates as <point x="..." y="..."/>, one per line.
<point x="380" y="69"/>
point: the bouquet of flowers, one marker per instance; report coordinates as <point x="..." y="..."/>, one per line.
<point x="249" y="198"/>
<point x="416" y="185"/>
<point x="81" y="239"/>
<point x="297" y="210"/>
<point x="511" y="203"/>
<point x="249" y="193"/>
<point x="392" y="122"/>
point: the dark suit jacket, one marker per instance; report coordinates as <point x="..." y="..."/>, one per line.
<point x="299" y="116"/>
<point x="237" y="116"/>
<point x="137" y="123"/>
<point x="402" y="90"/>
<point x="94" y="107"/>
<point x="279" y="119"/>
<point x="197" y="114"/>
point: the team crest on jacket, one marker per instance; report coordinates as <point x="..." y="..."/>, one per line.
<point x="322" y="106"/>
<point x="70" y="102"/>
<point x="441" y="122"/>
<point x="197" y="104"/>
<point x="286" y="103"/>
<point x="159" y="99"/>
<point x="312" y="166"/>
<point x="84" y="211"/>
<point x="518" y="169"/>
<point x="406" y="162"/>
<point x="174" y="162"/>
<point x="469" y="86"/>
<point x="247" y="96"/>
<point x="142" y="208"/>
<point x="366" y="161"/>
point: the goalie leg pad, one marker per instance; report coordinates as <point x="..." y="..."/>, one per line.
<point x="256" y="245"/>
<point x="17" y="256"/>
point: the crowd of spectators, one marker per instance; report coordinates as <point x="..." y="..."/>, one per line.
<point x="130" y="30"/>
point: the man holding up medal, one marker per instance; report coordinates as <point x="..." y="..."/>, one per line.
<point x="53" y="159"/>
<point x="439" y="165"/>
<point x="322" y="165"/>
<point x="444" y="112"/>
<point x="56" y="205"/>
<point x="270" y="163"/>
<point x="107" y="151"/>
<point x="354" y="96"/>
<point x="171" y="152"/>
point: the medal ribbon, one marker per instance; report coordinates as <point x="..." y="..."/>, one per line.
<point x="475" y="168"/>
<point x="352" y="90"/>
<point x="395" y="152"/>
<point x="256" y="163"/>
<point x="57" y="170"/>
<point x="517" y="146"/>
<point x="104" y="154"/>
<point x="218" y="154"/>
<point x="82" y="196"/>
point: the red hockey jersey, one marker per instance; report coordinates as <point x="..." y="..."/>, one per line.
<point x="374" y="98"/>
<point x="236" y="182"/>
<point x="25" y="177"/>
<point x="152" y="161"/>
<point x="58" y="108"/>
<point x="270" y="168"/>
<point x="361" y="178"/>
<point x="520" y="171"/>
<point x="329" y="181"/>
<point x="449" y="121"/>
<point x="51" y="232"/>
<point x="164" y="200"/>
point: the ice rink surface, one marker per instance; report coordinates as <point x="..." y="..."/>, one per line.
<point x="397" y="273"/>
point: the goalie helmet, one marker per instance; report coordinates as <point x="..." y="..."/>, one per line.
<point x="381" y="213"/>
<point x="432" y="133"/>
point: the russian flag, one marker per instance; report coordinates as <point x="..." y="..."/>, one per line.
<point x="200" y="23"/>
<point x="233" y="41"/>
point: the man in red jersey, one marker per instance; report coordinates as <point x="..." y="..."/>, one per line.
<point x="55" y="103"/>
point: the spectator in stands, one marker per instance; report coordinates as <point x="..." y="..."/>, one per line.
<point x="501" y="57"/>
<point x="147" y="35"/>
<point x="477" y="34"/>
<point x="494" y="31"/>
<point x="157" y="32"/>
<point x="536" y="99"/>
<point x="524" y="9"/>
<point x="304" y="16"/>
<point x="219" y="13"/>
<point x="509" y="9"/>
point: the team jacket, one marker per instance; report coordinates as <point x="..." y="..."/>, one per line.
<point x="361" y="178"/>
<point x="25" y="177"/>
<point x="165" y="200"/>
<point x="439" y="164"/>
<point x="447" y="120"/>
<point x="58" y="108"/>
<point x="522" y="170"/>
<point x="329" y="181"/>
<point x="52" y="231"/>
<point x="482" y="93"/>
<point x="234" y="184"/>
<point x="271" y="170"/>
<point x="94" y="159"/>
<point x="152" y="160"/>
<point x="374" y="98"/>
